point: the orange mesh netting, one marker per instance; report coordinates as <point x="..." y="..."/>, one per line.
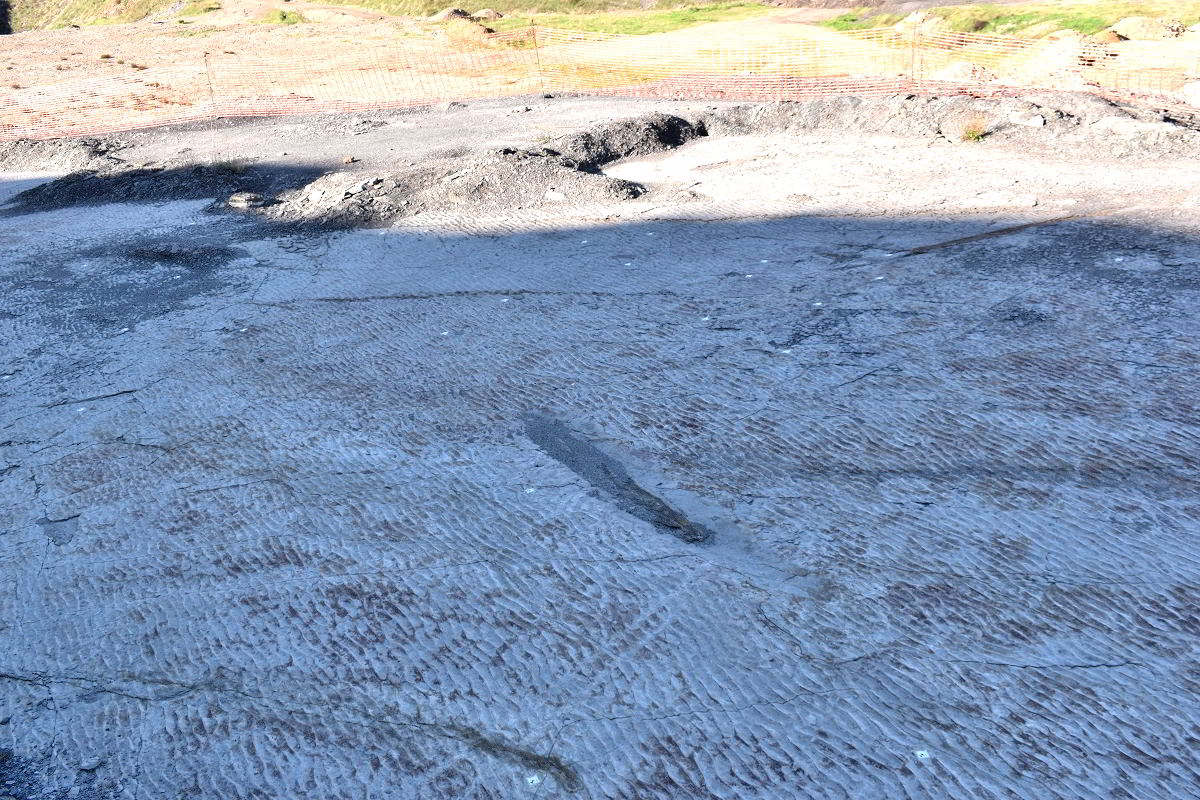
<point x="780" y="63"/>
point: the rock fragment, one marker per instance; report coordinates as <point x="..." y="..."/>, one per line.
<point x="245" y="200"/>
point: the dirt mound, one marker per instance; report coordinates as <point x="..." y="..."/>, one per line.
<point x="640" y="136"/>
<point x="499" y="180"/>
<point x="94" y="187"/>
<point x="492" y="180"/>
<point x="1067" y="122"/>
<point x="61" y="155"/>
<point x="121" y="183"/>
<point x="568" y="170"/>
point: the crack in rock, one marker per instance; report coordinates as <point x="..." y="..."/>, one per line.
<point x="493" y="746"/>
<point x="609" y="476"/>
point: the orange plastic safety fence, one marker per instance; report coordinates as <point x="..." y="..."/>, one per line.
<point x="780" y="63"/>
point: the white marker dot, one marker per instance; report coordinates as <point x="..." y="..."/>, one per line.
<point x="764" y="261"/>
<point x="749" y="276"/>
<point x="705" y="319"/>
<point x="243" y="330"/>
<point x="785" y="351"/>
<point x="878" y="277"/>
<point x="584" y="241"/>
<point x="505" y="300"/>
<point x="818" y="304"/>
<point x="445" y="333"/>
<point x="529" y="490"/>
<point x="629" y="263"/>
<point x="921" y="754"/>
<point x="649" y="234"/>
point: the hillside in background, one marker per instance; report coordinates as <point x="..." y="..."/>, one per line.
<point x="37" y="14"/>
<point x="1005" y="17"/>
<point x="44" y="14"/>
<point x="1032" y="19"/>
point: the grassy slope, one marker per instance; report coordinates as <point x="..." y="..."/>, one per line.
<point x="639" y="22"/>
<point x="1082" y="16"/>
<point x="34" y="14"/>
<point x="614" y="16"/>
<point x="604" y="16"/>
<point x="626" y="16"/>
<point x="425" y="8"/>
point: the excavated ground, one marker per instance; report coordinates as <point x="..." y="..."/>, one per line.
<point x="604" y="449"/>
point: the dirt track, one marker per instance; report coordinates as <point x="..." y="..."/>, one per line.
<point x="773" y="481"/>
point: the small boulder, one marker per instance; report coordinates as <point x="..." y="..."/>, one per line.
<point x="488" y="13"/>
<point x="450" y="13"/>
<point x="245" y="200"/>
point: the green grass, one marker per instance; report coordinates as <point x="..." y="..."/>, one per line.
<point x="862" y="20"/>
<point x="277" y="16"/>
<point x="1085" y="17"/>
<point x="634" y="22"/>
<point x="569" y="11"/>
<point x="606" y="16"/>
<point x="197" y="7"/>
<point x="425" y="8"/>
<point x="1006" y="22"/>
<point x="31" y="14"/>
<point x="975" y="131"/>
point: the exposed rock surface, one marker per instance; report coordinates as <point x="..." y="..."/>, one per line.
<point x="845" y="477"/>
